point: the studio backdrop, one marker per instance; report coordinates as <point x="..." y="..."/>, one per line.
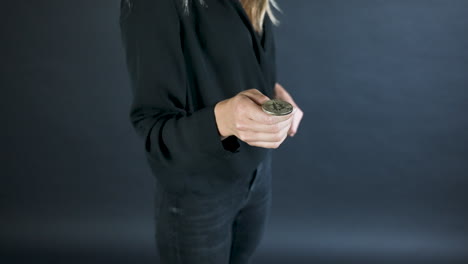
<point x="377" y="171"/>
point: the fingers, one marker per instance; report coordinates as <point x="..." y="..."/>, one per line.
<point x="256" y="96"/>
<point x="293" y="128"/>
<point x="295" y="123"/>
<point x="254" y="112"/>
<point x="263" y="118"/>
<point x="257" y="128"/>
<point x="264" y="136"/>
<point x="268" y="144"/>
<point x="253" y="125"/>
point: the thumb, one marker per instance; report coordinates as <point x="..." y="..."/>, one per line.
<point x="256" y="96"/>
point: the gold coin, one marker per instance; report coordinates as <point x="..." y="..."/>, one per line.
<point x="277" y="107"/>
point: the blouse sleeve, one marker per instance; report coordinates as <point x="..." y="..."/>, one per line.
<point x="150" y="32"/>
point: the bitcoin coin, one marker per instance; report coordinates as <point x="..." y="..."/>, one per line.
<point x="277" y="107"/>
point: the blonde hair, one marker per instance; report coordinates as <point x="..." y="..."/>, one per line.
<point x="255" y="10"/>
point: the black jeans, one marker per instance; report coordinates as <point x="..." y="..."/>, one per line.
<point x="219" y="229"/>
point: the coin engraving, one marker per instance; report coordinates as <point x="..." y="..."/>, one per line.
<point x="277" y="107"/>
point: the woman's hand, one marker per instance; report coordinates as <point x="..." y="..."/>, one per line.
<point x="242" y="116"/>
<point x="282" y="94"/>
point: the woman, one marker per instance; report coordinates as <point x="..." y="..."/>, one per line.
<point x="199" y="72"/>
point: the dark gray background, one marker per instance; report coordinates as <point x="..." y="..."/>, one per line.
<point x="377" y="172"/>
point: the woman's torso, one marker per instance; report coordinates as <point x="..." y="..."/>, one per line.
<point x="224" y="56"/>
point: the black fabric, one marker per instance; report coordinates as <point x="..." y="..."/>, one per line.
<point x="181" y="65"/>
<point x="220" y="229"/>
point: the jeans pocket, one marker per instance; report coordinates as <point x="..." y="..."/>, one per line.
<point x="257" y="174"/>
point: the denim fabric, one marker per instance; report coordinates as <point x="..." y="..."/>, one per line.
<point x="224" y="228"/>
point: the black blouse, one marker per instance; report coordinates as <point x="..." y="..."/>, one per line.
<point x="180" y="65"/>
